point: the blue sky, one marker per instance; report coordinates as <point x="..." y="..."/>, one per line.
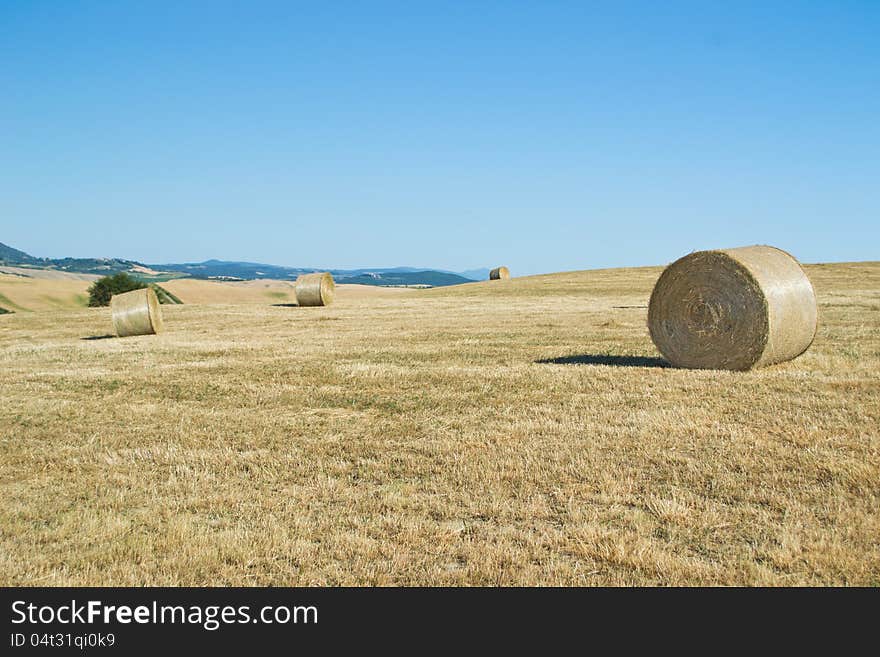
<point x="547" y="136"/>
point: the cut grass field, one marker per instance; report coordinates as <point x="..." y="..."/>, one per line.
<point x="255" y="292"/>
<point x="34" y="290"/>
<point x="506" y="432"/>
<point x="23" y="294"/>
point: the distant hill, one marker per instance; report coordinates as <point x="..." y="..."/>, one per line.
<point x="10" y="256"/>
<point x="232" y="270"/>
<point x="98" y="266"/>
<point x="222" y="270"/>
<point x="475" y="274"/>
<point x="430" y="277"/>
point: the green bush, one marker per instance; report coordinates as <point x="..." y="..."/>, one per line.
<point x="104" y="288"/>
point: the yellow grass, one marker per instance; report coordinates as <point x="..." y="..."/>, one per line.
<point x="258" y="292"/>
<point x="41" y="290"/>
<point x="514" y="432"/>
<point x="24" y="294"/>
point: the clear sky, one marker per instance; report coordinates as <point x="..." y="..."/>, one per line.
<point x="546" y="136"/>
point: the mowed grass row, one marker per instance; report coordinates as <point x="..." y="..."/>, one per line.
<point x="512" y="432"/>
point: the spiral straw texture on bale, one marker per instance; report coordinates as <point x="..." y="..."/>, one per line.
<point x="733" y="309"/>
<point x="499" y="273"/>
<point x="136" y="313"/>
<point x="315" y="289"/>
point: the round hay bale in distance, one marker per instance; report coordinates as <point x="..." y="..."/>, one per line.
<point x="136" y="313"/>
<point x="499" y="274"/>
<point x="316" y="289"/>
<point x="733" y="309"/>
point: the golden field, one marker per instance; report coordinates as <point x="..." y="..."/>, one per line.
<point x="34" y="290"/>
<point x="514" y="432"/>
<point x="23" y="293"/>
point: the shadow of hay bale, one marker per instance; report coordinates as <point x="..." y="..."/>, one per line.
<point x="606" y="359"/>
<point x="99" y="337"/>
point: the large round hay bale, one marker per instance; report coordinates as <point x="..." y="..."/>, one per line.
<point x="733" y="309"/>
<point x="499" y="273"/>
<point x="136" y="313"/>
<point x="315" y="289"/>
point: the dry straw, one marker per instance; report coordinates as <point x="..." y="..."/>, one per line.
<point x="315" y="289"/>
<point x="733" y="309"/>
<point x="136" y="313"/>
<point x="499" y="273"/>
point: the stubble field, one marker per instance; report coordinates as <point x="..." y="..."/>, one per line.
<point x="517" y="432"/>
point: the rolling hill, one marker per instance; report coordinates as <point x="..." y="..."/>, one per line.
<point x="10" y="256"/>
<point x="40" y="290"/>
<point x="395" y="276"/>
<point x="405" y="279"/>
<point x="231" y="270"/>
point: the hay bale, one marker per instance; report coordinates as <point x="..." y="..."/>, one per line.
<point x="733" y="309"/>
<point x="499" y="274"/>
<point x="315" y="289"/>
<point x="136" y="313"/>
